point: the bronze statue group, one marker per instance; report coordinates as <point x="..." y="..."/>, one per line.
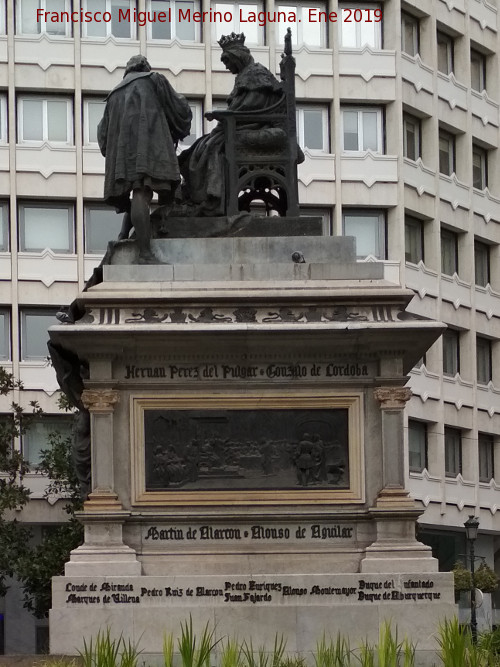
<point x="143" y="122"/>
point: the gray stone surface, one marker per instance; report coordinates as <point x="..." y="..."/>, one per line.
<point x="300" y="607"/>
<point x="246" y="272"/>
<point x="240" y="225"/>
<point x="243" y="250"/>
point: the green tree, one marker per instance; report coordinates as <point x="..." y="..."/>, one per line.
<point x="34" y="565"/>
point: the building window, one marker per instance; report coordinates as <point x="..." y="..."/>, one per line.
<point x="483" y="360"/>
<point x="178" y="27"/>
<point x="305" y="31"/>
<point x="445" y="48"/>
<point x="44" y="227"/>
<point x="362" y="130"/>
<point x="312" y="127"/>
<point x="451" y="352"/>
<point x="449" y="252"/>
<point x="26" y="17"/>
<point x="479" y="167"/>
<point x="39" y="433"/>
<point x="486" y="446"/>
<point x="196" y="126"/>
<point x="414" y="239"/>
<point x="236" y="12"/>
<point x="93" y="111"/>
<point x="5" y="334"/>
<point x="446" y="153"/>
<point x="360" y="25"/>
<point x="452" y="451"/>
<point x="410" y="34"/>
<point x="411" y="137"/>
<point x="369" y="229"/>
<point x="34" y="327"/>
<point x="47" y="119"/>
<point x="3" y="119"/>
<point x="417" y="445"/>
<point x="102" y="225"/>
<point x="4" y="227"/>
<point x="481" y="263"/>
<point x="477" y="71"/>
<point x="120" y="26"/>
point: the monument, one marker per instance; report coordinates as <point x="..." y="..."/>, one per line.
<point x="246" y="394"/>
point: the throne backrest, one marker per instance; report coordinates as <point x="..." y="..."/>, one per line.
<point x="271" y="147"/>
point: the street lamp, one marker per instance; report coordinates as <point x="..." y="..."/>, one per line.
<point x="471" y="530"/>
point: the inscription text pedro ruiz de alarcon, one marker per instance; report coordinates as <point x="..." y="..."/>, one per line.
<point x="242" y="372"/>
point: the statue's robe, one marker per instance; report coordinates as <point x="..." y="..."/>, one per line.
<point x="202" y="165"/>
<point x="138" y="134"/>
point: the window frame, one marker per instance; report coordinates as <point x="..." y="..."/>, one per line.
<point x="4" y="227"/>
<point x="87" y="142"/>
<point x="196" y="107"/>
<point x="4" y="136"/>
<point x="452" y="452"/>
<point x="381" y="240"/>
<point x="450" y="139"/>
<point x="300" y="124"/>
<point x="447" y="235"/>
<point x="21" y="99"/>
<point x="420" y="450"/>
<point x="417" y="226"/>
<point x="25" y="356"/>
<point x="109" y="25"/>
<point x="6" y="350"/>
<point x="235" y="5"/>
<point x="477" y="75"/>
<point x="298" y="28"/>
<point x="174" y="5"/>
<point x="69" y="207"/>
<point x="417" y="140"/>
<point x="482" y="266"/>
<point x="94" y="206"/>
<point x="414" y="23"/>
<point x="360" y="129"/>
<point x="486" y="454"/>
<point x="451" y="352"/>
<point x="52" y="424"/>
<point x="480" y="172"/>
<point x="42" y="4"/>
<point x="484" y="360"/>
<point x="446" y="41"/>
<point x="378" y="34"/>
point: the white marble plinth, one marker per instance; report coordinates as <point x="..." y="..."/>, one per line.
<point x="301" y="607"/>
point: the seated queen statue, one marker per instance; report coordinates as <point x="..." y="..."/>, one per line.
<point x="202" y="165"/>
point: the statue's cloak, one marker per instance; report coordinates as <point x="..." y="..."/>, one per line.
<point x="138" y="134"/>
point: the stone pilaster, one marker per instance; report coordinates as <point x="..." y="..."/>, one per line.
<point x="395" y="513"/>
<point x="101" y="403"/>
<point x="103" y="551"/>
<point x="392" y="404"/>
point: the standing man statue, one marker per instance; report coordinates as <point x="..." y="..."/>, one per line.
<point x="138" y="134"/>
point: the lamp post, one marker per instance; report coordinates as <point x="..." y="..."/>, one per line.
<point x="471" y="529"/>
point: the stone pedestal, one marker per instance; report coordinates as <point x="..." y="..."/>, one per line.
<point x="247" y="448"/>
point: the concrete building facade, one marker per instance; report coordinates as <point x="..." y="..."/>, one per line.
<point x="398" y="114"/>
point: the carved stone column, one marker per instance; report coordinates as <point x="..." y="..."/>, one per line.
<point x="392" y="404"/>
<point x="101" y="403"/>
<point x="395" y="513"/>
<point x="103" y="551"/>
